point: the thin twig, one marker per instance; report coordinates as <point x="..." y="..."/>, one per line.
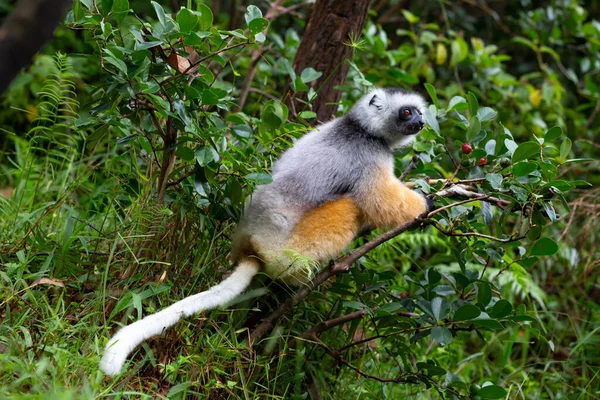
<point x="475" y="234"/>
<point x="437" y="210"/>
<point x="314" y="333"/>
<point x="410" y="167"/>
<point x="181" y="179"/>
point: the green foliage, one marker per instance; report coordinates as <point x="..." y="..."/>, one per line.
<point x="142" y="145"/>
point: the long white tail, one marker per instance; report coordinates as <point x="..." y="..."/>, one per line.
<point x="128" y="337"/>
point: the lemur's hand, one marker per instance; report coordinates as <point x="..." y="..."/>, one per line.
<point x="429" y="204"/>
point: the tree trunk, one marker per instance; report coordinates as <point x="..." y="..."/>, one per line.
<point x="24" y="32"/>
<point x="331" y="24"/>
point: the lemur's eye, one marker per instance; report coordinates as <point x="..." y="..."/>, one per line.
<point x="406" y="112"/>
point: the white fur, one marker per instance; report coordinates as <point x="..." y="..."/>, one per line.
<point x="376" y="119"/>
<point x="128" y="337"/>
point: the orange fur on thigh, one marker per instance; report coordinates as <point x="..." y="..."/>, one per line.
<point x="389" y="203"/>
<point x="325" y="231"/>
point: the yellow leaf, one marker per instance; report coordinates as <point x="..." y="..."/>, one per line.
<point x="32" y="113"/>
<point x="441" y="54"/>
<point x="48" y="281"/>
<point x="535" y="97"/>
<point x="477" y="44"/>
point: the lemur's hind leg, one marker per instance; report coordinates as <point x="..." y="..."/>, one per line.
<point x="322" y="234"/>
<point x="386" y="202"/>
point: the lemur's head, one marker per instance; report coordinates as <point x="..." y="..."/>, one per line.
<point x="393" y="114"/>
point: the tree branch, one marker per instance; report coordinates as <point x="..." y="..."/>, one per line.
<point x="313" y="334"/>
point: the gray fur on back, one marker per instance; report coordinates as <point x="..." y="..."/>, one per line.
<point x="336" y="159"/>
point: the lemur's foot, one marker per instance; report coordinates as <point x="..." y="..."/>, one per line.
<point x="429" y="204"/>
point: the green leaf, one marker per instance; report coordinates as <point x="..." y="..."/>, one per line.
<point x="495" y="253"/>
<point x="200" y="183"/>
<point x="525" y="42"/>
<point x="243" y="131"/>
<point x="206" y="17"/>
<point x="457" y="103"/>
<point x="501" y="309"/>
<point x="442" y="335"/>
<point x="495" y="180"/>
<point x="307" y="114"/>
<point x="127" y="138"/>
<point x="474" y="128"/>
<point x="473" y="104"/>
<point x="187" y="20"/>
<point x="160" y="13"/>
<point x="260" y="179"/>
<point x="544" y="247"/>
<point x="461" y="279"/>
<point x="120" y="9"/>
<point x="490" y="147"/>
<point x="252" y="12"/>
<point x="431" y="368"/>
<point x="185" y="153"/>
<point x="525" y="151"/>
<point x="258" y="25"/>
<point x="565" y="148"/>
<point x="410" y="17"/>
<point x="466" y="312"/>
<point x="460" y="51"/>
<point x="309" y="75"/>
<point x="433" y="277"/>
<point x="106" y="6"/>
<point x="390" y="308"/>
<point x="431" y="121"/>
<point x="491" y="324"/>
<point x="492" y="392"/>
<point x="484" y="293"/>
<point x="117" y="62"/>
<point x="146" y="45"/>
<point x="274" y="114"/>
<point x="206" y="155"/>
<point x="550" y="212"/>
<point x="559" y="184"/>
<point x="440" y="308"/>
<point x="553" y="133"/>
<point x="209" y="97"/>
<point x="356" y="305"/>
<point x="524" y="168"/>
<point x="511" y="145"/>
<point x="197" y="39"/>
<point x="444" y="290"/>
<point x="486" y="114"/>
<point x="431" y="90"/>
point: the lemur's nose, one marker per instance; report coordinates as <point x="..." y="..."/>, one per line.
<point x="421" y="123"/>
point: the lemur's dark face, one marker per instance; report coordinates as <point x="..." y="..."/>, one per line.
<point x="410" y="120"/>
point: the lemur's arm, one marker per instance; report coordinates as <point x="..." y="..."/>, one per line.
<point x="386" y="202"/>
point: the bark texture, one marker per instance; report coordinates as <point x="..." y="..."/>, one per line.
<point x="27" y="28"/>
<point x="323" y="48"/>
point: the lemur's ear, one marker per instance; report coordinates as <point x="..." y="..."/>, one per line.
<point x="376" y="102"/>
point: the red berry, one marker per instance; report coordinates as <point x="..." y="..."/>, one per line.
<point x="482" y="161"/>
<point x="466" y="148"/>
